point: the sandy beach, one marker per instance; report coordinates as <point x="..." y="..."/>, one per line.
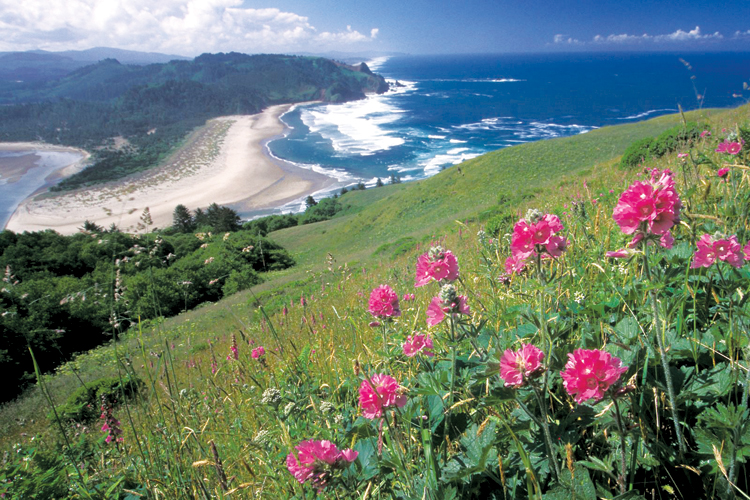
<point x="224" y="162"/>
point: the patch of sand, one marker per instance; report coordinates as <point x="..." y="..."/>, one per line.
<point x="224" y="162"/>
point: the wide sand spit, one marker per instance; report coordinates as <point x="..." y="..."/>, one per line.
<point x="225" y="162"/>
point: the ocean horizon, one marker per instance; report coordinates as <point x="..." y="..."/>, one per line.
<point x="443" y="110"/>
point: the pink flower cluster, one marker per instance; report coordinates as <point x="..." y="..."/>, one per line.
<point x="723" y="173"/>
<point x="258" y="352"/>
<point x="731" y="148"/>
<point x="437" y="264"/>
<point x="535" y="234"/>
<point x="316" y="460"/>
<point x="384" y="302"/>
<point x="716" y="247"/>
<point x="447" y="302"/>
<point x="589" y="373"/>
<point x="516" y="367"/>
<point x="378" y="392"/>
<point x="111" y="424"/>
<point x="649" y="208"/>
<point x="418" y="343"/>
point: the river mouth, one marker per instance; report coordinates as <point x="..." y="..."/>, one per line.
<point x="24" y="172"/>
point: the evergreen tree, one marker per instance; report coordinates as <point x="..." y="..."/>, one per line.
<point x="310" y="201"/>
<point x="395" y="179"/>
<point x="182" y="219"/>
<point x="379" y="182"/>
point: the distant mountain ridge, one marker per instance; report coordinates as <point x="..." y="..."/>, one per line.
<point x="42" y="65"/>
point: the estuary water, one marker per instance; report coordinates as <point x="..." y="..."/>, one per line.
<point x="39" y="165"/>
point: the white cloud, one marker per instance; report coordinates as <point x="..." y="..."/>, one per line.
<point x="565" y="39"/>
<point x="742" y="34"/>
<point x="677" y="36"/>
<point x="186" y="27"/>
<point x="682" y="36"/>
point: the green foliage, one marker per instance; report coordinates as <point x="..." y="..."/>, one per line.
<point x="642" y="151"/>
<point x="84" y="404"/>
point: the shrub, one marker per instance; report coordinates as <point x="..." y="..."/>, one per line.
<point x="83" y="405"/>
<point x="668" y="141"/>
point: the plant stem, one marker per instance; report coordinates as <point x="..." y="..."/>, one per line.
<point x="618" y="419"/>
<point x="453" y="385"/>
<point x="663" y="354"/>
<point x="547" y="435"/>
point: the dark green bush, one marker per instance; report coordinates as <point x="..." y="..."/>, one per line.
<point x="84" y="404"/>
<point x="668" y="141"/>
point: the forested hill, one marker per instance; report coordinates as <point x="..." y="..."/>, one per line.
<point x="156" y="105"/>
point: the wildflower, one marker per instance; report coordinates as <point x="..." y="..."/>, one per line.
<point x="589" y="373"/>
<point x="682" y="155"/>
<point x="111" y="424"/>
<point x="271" y="396"/>
<point x="536" y="233"/>
<point x="384" y="302"/>
<point x="437" y="264"/>
<point x="649" y="208"/>
<point x="579" y="297"/>
<point x="326" y="407"/>
<point x="408" y="297"/>
<point x="731" y="148"/>
<point x="316" y="460"/>
<point x="514" y="265"/>
<point x="258" y="352"/>
<point x="623" y="253"/>
<point x="234" y="352"/>
<point x="705" y="133"/>
<point x="448" y="302"/>
<point x="380" y="391"/>
<point x="723" y="173"/>
<point x="517" y="367"/>
<point x="711" y="248"/>
<point x="418" y="343"/>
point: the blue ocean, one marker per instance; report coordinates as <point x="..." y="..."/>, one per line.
<point x="442" y="110"/>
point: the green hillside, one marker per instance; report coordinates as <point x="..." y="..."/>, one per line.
<point x="194" y="409"/>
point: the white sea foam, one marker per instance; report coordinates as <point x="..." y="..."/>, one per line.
<point x="457" y="141"/>
<point x="355" y="127"/>
<point x="479" y="80"/>
<point x="376" y="63"/>
<point x="524" y="130"/>
<point x="455" y="151"/>
<point x="646" y="113"/>
<point x="436" y="137"/>
<point x="437" y="162"/>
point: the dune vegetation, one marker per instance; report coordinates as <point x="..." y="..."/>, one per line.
<point x="490" y="332"/>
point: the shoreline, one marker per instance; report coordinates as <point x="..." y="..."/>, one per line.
<point x="225" y="162"/>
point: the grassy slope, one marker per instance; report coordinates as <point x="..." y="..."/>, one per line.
<point x="375" y="216"/>
<point x="422" y="209"/>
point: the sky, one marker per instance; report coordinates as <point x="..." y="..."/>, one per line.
<point x="192" y="27"/>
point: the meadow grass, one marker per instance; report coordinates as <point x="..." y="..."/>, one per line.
<point x="207" y="425"/>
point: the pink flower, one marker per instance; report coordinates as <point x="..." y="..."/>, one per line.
<point x="418" y="343"/>
<point x="517" y="367"/>
<point x="623" y="253"/>
<point x="536" y="233"/>
<point x="705" y="133"/>
<point x="316" y="460"/>
<point x="648" y="208"/>
<point x="438" y="265"/>
<point x="722" y="147"/>
<point x="258" y="352"/>
<point x="713" y="248"/>
<point x="514" y="265"/>
<point x="380" y="391"/>
<point x="449" y="302"/>
<point x="384" y="302"/>
<point x="408" y="297"/>
<point x="733" y="148"/>
<point x="723" y="172"/>
<point x="682" y="155"/>
<point x="590" y="372"/>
